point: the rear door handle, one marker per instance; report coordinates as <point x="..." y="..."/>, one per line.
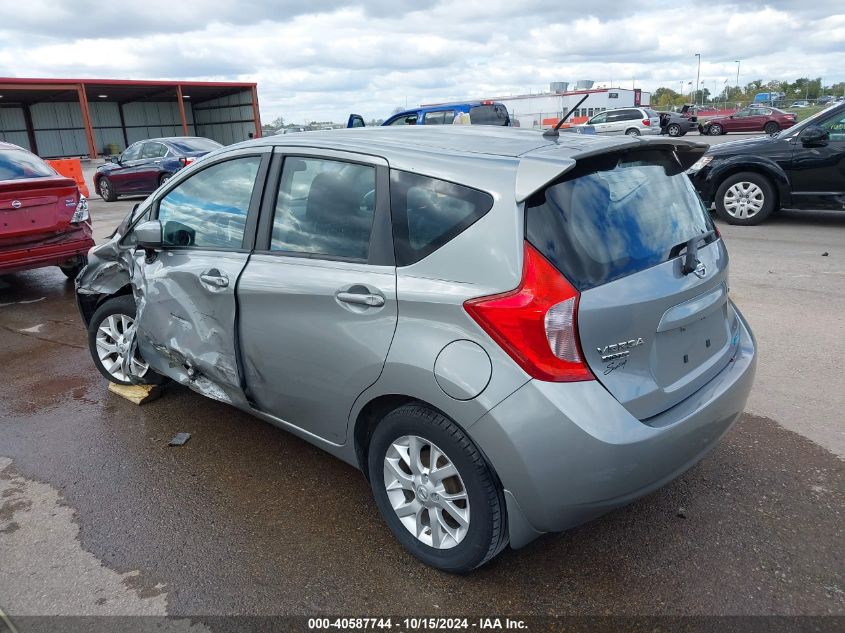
<point x="214" y="278"/>
<point x="369" y="300"/>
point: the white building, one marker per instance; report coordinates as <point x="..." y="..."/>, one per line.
<point x="545" y="109"/>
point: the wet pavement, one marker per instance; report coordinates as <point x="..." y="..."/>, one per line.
<point x="98" y="515"/>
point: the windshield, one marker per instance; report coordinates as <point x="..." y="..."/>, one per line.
<point x="18" y="164"/>
<point x="607" y="223"/>
<point x="195" y="145"/>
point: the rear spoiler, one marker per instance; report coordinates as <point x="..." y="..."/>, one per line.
<point x="538" y="170"/>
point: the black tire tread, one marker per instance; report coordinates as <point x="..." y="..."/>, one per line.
<point x="486" y="475"/>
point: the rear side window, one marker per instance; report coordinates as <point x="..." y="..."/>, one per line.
<point x="427" y="213"/>
<point x="608" y="221"/>
<point x="17" y="164"/>
<point x="488" y="115"/>
<point x="324" y="208"/>
<point x="439" y="118"/>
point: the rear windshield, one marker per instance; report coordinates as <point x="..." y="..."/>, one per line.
<point x="17" y="164"/>
<point x="607" y="221"/>
<point x="488" y="115"/>
<point x="195" y="145"/>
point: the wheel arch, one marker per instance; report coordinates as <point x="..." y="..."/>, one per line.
<point x="90" y="303"/>
<point x="758" y="165"/>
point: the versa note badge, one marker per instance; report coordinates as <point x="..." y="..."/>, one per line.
<point x="16" y="204"/>
<point x="618" y="350"/>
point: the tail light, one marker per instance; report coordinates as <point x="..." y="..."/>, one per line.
<point x="536" y="324"/>
<point x="81" y="212"/>
<point x="646" y="122"/>
<point x="187" y="160"/>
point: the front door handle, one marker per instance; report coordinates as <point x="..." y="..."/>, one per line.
<point x="369" y="300"/>
<point x="214" y="278"/>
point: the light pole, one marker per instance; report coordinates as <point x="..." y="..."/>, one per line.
<point x="697" y="75"/>
<point x="737" y="77"/>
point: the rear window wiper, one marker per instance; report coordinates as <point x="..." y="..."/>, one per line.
<point x="691" y="249"/>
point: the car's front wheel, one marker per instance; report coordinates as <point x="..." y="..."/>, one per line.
<point x="106" y="189"/>
<point x="109" y="341"/>
<point x="435" y="490"/>
<point x="715" y="130"/>
<point x="745" y="198"/>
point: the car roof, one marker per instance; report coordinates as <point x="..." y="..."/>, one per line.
<point x="453" y="152"/>
<point x="169" y="139"/>
<point x="444" y="106"/>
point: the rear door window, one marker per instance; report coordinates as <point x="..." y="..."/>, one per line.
<point x="616" y="216"/>
<point x="439" y="118"/>
<point x="428" y="213"/>
<point x="324" y="208"/>
<point x="492" y="114"/>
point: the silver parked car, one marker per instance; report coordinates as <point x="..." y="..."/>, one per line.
<point x="629" y="121"/>
<point x="509" y="333"/>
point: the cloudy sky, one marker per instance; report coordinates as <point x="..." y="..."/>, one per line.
<point x="322" y="59"/>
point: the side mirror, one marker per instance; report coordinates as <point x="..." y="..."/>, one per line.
<point x="355" y="120"/>
<point x="113" y="159"/>
<point x="148" y="235"/>
<point x="814" y="135"/>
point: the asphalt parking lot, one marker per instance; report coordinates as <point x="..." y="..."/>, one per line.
<point x="98" y="516"/>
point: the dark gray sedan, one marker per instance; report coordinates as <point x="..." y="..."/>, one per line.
<point x="678" y="123"/>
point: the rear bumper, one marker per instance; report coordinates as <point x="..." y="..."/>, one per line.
<point x="51" y="251"/>
<point x="569" y="452"/>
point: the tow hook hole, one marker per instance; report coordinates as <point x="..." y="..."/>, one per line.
<point x="686" y="358"/>
<point x="707" y="343"/>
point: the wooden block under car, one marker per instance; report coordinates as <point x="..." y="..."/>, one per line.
<point x="139" y="394"/>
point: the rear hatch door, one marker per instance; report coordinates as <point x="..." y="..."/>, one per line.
<point x="36" y="206"/>
<point x="617" y="227"/>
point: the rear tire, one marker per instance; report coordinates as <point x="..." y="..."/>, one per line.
<point x="771" y="128"/>
<point x="106" y="189"/>
<point x="105" y="342"/>
<point x="456" y="546"/>
<point x="164" y="178"/>
<point x="632" y="131"/>
<point x="674" y="130"/>
<point x="745" y="199"/>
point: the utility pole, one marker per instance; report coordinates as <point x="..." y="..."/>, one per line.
<point x="697" y="75"/>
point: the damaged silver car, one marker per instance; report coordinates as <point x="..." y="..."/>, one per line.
<point x="510" y="333"/>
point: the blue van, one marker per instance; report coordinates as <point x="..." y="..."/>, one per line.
<point x="480" y="113"/>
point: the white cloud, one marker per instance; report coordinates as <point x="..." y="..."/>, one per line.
<point x="323" y="59"/>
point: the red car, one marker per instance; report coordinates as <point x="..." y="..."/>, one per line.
<point x="768" y="120"/>
<point x="43" y="218"/>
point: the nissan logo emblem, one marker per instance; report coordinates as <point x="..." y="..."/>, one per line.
<point x="16" y="204"/>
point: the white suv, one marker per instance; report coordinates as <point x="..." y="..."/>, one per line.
<point x="630" y="121"/>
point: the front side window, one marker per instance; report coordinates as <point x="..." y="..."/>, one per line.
<point x="324" y="208"/>
<point x="209" y="209"/>
<point x="133" y="152"/>
<point x="599" y="118"/>
<point x="407" y="119"/>
<point x="428" y="213"/>
<point x="835" y="127"/>
<point x="618" y="215"/>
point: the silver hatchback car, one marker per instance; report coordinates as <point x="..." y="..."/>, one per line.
<point x="509" y="333"/>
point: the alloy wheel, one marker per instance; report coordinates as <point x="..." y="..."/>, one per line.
<point x="105" y="189"/>
<point x="426" y="491"/>
<point x="113" y="347"/>
<point x="744" y="200"/>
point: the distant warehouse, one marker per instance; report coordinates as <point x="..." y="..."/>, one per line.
<point x="88" y="117"/>
<point x="545" y="109"/>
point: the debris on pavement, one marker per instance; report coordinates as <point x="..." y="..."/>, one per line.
<point x="139" y="394"/>
<point x="179" y="439"/>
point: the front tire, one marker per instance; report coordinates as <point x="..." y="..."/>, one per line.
<point x="108" y="344"/>
<point x="745" y="199"/>
<point x="715" y="130"/>
<point x="106" y="189"/>
<point x="435" y="490"/>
